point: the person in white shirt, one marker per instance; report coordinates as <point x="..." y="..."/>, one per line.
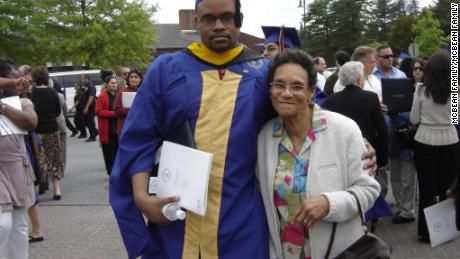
<point x="320" y="67"/>
<point x="365" y="55"/>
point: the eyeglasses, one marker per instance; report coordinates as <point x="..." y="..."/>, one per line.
<point x="278" y="87"/>
<point x="209" y="20"/>
<point x="386" y="56"/>
<point x="417" y="68"/>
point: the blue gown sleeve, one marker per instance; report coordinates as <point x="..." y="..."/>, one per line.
<point x="138" y="141"/>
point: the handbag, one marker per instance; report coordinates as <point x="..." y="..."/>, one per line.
<point x="406" y="134"/>
<point x="368" y="246"/>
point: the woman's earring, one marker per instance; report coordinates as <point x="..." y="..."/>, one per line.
<point x="311" y="102"/>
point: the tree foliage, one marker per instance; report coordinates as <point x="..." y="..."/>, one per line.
<point x="382" y="13"/>
<point x="14" y="41"/>
<point x="441" y="11"/>
<point x="401" y="34"/>
<point x="102" y="33"/>
<point x="348" y="24"/>
<point x="319" y="38"/>
<point x="344" y="24"/>
<point x="413" y="8"/>
<point x="429" y="35"/>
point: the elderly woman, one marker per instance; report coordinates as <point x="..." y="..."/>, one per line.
<point x="308" y="158"/>
<point x="17" y="192"/>
<point x="364" y="108"/>
<point x="365" y="55"/>
<point x="436" y="141"/>
<point x="48" y="109"/>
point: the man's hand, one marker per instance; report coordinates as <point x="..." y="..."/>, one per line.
<point x="384" y="108"/>
<point x="85" y="111"/>
<point x="310" y="211"/>
<point x="369" y="155"/>
<point x="151" y="207"/>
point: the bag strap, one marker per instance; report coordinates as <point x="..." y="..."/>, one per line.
<point x="331" y="240"/>
<point x="334" y="225"/>
<point x="360" y="212"/>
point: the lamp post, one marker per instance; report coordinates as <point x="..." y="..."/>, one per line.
<point x="302" y="4"/>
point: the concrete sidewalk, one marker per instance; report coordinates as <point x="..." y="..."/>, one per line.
<point x="82" y="225"/>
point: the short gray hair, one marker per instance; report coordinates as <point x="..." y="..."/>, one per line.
<point x="362" y="52"/>
<point x="351" y="72"/>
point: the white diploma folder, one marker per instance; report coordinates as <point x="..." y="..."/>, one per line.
<point x="7" y="127"/>
<point x="184" y="172"/>
<point x="127" y="99"/>
<point x="440" y="219"/>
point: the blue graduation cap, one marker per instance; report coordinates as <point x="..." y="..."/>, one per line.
<point x="197" y="2"/>
<point x="404" y="55"/>
<point x="290" y="36"/>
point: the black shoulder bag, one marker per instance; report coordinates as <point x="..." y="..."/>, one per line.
<point x="368" y="246"/>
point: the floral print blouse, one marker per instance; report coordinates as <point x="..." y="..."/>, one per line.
<point x="290" y="185"/>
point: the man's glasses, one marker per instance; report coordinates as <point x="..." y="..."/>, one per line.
<point x="417" y="68"/>
<point x="386" y="56"/>
<point x="209" y="20"/>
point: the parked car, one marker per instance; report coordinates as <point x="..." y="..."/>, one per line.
<point x="68" y="79"/>
<point x="331" y="69"/>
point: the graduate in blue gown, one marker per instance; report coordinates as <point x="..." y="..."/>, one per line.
<point x="221" y="89"/>
<point x="279" y="38"/>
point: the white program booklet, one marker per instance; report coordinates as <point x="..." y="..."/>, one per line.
<point x="440" y="219"/>
<point x="127" y="99"/>
<point x="6" y="126"/>
<point x="184" y="172"/>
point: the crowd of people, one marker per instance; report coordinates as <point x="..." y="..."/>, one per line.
<point x="296" y="148"/>
<point x="33" y="136"/>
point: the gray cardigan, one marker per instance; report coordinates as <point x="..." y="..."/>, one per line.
<point x="335" y="167"/>
<point x="433" y="119"/>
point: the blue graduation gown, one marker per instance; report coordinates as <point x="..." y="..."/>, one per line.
<point x="179" y="87"/>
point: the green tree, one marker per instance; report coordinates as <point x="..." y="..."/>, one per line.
<point x="102" y="33"/>
<point x="413" y="8"/>
<point x="401" y="34"/>
<point x="14" y="40"/>
<point x="429" y="35"/>
<point x="348" y="24"/>
<point x="380" y="20"/>
<point x="441" y="11"/>
<point x="319" y="29"/>
<point x="398" y="9"/>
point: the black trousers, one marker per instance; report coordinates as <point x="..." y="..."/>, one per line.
<point x="90" y="123"/>
<point x="79" y="122"/>
<point x="437" y="167"/>
<point x="109" y="151"/>
<point x="70" y="126"/>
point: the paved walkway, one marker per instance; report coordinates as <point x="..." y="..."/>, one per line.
<point x="82" y="225"/>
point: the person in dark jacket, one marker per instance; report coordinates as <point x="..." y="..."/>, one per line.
<point x="78" y="106"/>
<point x="341" y="57"/>
<point x="364" y="108"/>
